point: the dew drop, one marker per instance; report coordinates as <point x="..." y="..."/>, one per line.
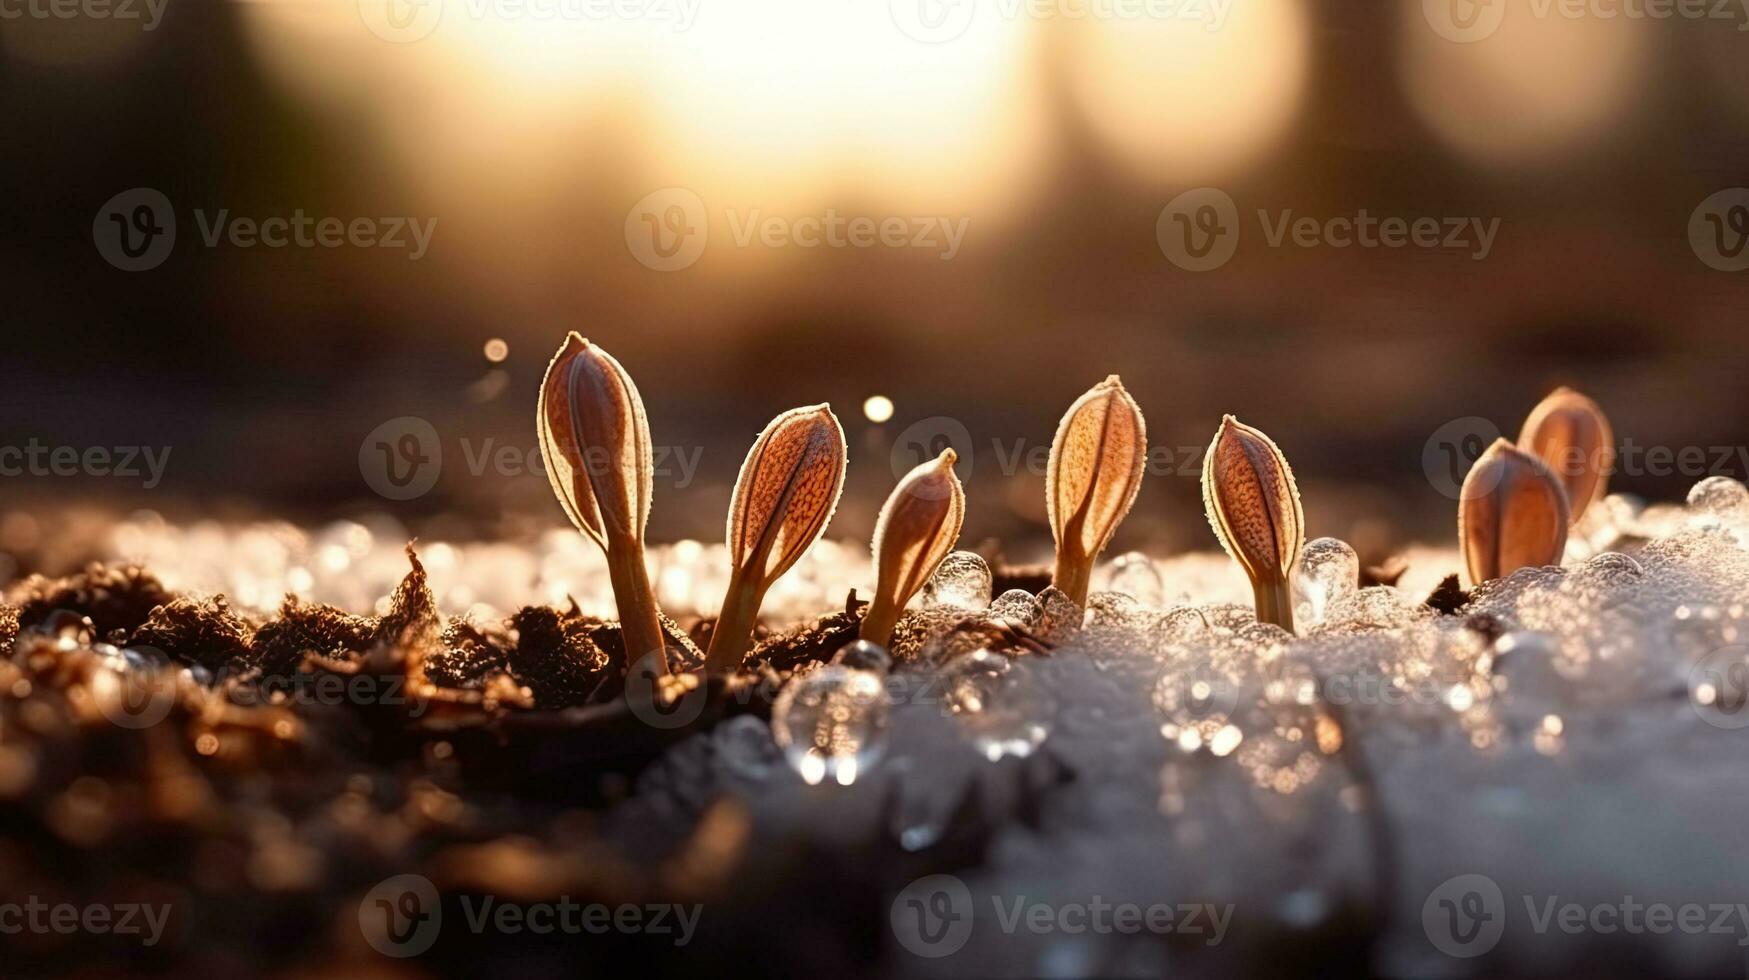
<point x="1134" y="573"/>
<point x="1001" y="709"/>
<point x="832" y="724"/>
<point x="963" y="579"/>
<point x="1329" y="572"/>
<point x="864" y="655"/>
<point x="1018" y="605"/>
<point x="1719" y="500"/>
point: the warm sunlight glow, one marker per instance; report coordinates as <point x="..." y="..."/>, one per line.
<point x="1184" y="98"/>
<point x="1532" y="89"/>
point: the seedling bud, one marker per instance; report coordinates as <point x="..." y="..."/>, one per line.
<point x="1512" y="513"/>
<point x="1095" y="472"/>
<point x="787" y="491"/>
<point x="917" y="528"/>
<point x="1253" y="505"/>
<point x="1570" y="434"/>
<point x="595" y="442"/>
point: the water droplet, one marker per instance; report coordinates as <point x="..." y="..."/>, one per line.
<point x="1003" y="711"/>
<point x="863" y="655"/>
<point x="1018" y="605"/>
<point x="1329" y="572"/>
<point x="963" y="579"/>
<point x="1134" y="573"/>
<point x="1719" y="500"/>
<point x="831" y="724"/>
<point x="1061" y="616"/>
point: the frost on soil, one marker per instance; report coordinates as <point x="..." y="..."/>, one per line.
<point x="1571" y="733"/>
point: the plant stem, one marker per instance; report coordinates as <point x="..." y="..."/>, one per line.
<point x="878" y="621"/>
<point x="1073" y="576"/>
<point x="640" y="625"/>
<point x="1275" y="604"/>
<point x="734" y="627"/>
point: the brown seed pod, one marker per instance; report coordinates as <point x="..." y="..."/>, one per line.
<point x="1253" y="506"/>
<point x="595" y="442"/>
<point x="1572" y="436"/>
<point x="788" y="488"/>
<point x="917" y="528"/>
<point x="1096" y="466"/>
<point x="1512" y="513"/>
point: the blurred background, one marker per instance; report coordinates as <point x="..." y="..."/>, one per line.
<point x="650" y="173"/>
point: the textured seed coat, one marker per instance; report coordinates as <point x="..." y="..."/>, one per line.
<point x="595" y="442"/>
<point x="788" y="489"/>
<point x="1096" y="465"/>
<point x="1572" y="436"/>
<point x="917" y="528"/>
<point x="1512" y="514"/>
<point x="1253" y="506"/>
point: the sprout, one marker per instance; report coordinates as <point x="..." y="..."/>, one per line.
<point x="1512" y="513"/>
<point x="1569" y="433"/>
<point x="784" y="498"/>
<point x="917" y="528"/>
<point x="1253" y="505"/>
<point x="1096" y="465"/>
<point x="595" y="441"/>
